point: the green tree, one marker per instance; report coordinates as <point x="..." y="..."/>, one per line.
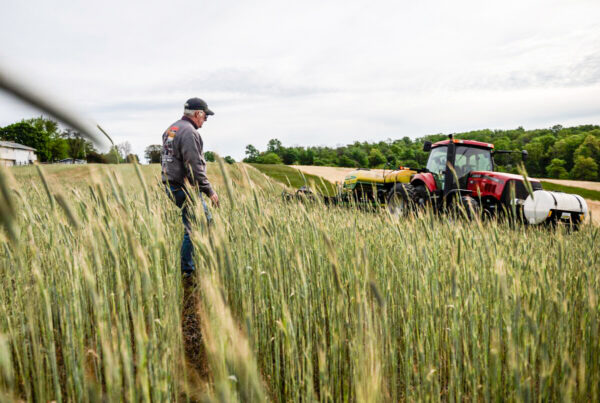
<point x="422" y="157"/>
<point x="228" y="159"/>
<point x="56" y="146"/>
<point x="269" y="158"/>
<point x="589" y="148"/>
<point x="360" y="156"/>
<point x="502" y="143"/>
<point x="274" y="146"/>
<point x="209" y="156"/>
<point x="58" y="149"/>
<point x="376" y="158"/>
<point x="547" y="141"/>
<point x="79" y="147"/>
<point x="407" y="153"/>
<point x="557" y="170"/>
<point x="392" y="161"/>
<point x="345" y="161"/>
<point x="152" y="153"/>
<point x="585" y="169"/>
<point x="290" y="156"/>
<point x="252" y="153"/>
<point x="535" y="159"/>
<point x="565" y="148"/>
<point x="306" y="157"/>
<point x="410" y="163"/>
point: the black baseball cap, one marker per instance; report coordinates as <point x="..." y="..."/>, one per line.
<point x="196" y="104"/>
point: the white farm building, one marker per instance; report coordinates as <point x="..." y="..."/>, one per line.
<point x="16" y="154"/>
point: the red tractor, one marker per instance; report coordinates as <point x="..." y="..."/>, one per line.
<point x="461" y="172"/>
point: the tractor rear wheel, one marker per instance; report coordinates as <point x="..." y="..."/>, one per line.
<point x="401" y="199"/>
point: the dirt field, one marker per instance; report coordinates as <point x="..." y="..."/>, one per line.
<point x="594" y="207"/>
<point x="336" y="174"/>
<point x="332" y="174"/>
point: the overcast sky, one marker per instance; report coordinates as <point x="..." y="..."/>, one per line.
<point x="310" y="72"/>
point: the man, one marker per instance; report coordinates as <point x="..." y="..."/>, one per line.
<point x="183" y="162"/>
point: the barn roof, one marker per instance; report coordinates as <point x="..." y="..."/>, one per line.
<point x="10" y="144"/>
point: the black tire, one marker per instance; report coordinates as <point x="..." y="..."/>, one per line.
<point x="471" y="206"/>
<point x="423" y="197"/>
<point x="401" y="199"/>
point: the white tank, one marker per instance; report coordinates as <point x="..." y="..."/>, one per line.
<point x="537" y="208"/>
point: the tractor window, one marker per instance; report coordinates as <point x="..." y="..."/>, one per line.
<point x="437" y="160"/>
<point x="472" y="159"/>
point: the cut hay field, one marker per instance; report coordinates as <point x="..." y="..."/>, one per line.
<point x="294" y="302"/>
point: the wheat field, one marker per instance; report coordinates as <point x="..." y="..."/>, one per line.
<point x="293" y="301"/>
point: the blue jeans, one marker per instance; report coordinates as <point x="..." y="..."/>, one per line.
<point x="181" y="198"/>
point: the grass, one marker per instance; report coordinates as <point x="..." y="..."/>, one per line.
<point x="296" y="301"/>
<point x="295" y="178"/>
<point x="585" y="193"/>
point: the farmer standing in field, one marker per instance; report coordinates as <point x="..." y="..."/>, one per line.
<point x="182" y="163"/>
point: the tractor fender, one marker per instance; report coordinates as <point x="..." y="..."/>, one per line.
<point x="426" y="179"/>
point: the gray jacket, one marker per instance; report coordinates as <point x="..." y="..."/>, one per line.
<point x="182" y="156"/>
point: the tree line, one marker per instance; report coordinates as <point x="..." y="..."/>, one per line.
<point x="557" y="152"/>
<point x="55" y="144"/>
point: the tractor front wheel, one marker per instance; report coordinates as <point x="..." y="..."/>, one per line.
<point x="471" y="207"/>
<point x="401" y="199"/>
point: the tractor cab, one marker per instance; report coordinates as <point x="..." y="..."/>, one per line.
<point x="463" y="156"/>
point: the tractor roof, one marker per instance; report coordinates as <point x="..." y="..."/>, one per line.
<point x="465" y="143"/>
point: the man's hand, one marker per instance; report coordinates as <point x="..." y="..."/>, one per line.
<point x="215" y="200"/>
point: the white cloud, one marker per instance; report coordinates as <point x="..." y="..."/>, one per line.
<point x="311" y="72"/>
